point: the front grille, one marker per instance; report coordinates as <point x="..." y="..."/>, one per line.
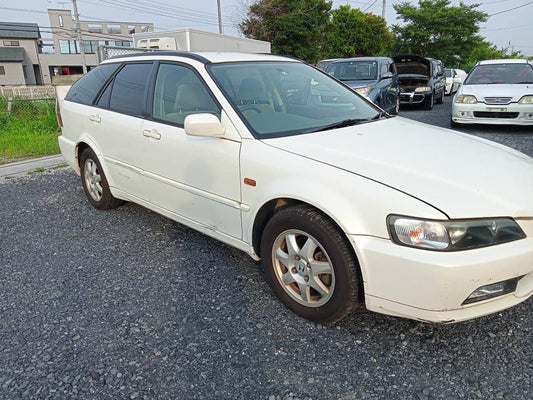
<point x="498" y="100"/>
<point x="495" y="114"/>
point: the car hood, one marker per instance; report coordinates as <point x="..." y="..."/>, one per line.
<point x="460" y="175"/>
<point x="515" y="91"/>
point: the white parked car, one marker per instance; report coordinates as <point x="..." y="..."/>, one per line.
<point x="496" y="92"/>
<point x="454" y="79"/>
<point x="344" y="204"/>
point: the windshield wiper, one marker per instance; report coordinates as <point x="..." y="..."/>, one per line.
<point x="341" y="124"/>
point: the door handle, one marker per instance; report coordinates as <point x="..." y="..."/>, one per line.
<point x="95" y="118"/>
<point x="152" y="133"/>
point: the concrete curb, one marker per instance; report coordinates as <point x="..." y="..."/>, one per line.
<point x="21" y="168"/>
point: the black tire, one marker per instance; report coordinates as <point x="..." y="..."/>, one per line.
<point x="95" y="183"/>
<point x="440" y="100"/>
<point x="428" y="104"/>
<point x="396" y="110"/>
<point x="319" y="277"/>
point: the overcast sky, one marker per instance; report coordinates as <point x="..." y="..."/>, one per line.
<point x="509" y="24"/>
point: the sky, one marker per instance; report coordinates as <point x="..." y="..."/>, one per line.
<point x="509" y="24"/>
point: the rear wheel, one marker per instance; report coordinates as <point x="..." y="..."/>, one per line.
<point x="95" y="183"/>
<point x="310" y="265"/>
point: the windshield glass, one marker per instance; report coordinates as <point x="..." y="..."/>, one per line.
<point x="354" y="70"/>
<point x="289" y="98"/>
<point x="493" y="74"/>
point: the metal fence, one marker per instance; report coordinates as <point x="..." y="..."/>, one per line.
<point x="19" y="108"/>
<point x="106" y="52"/>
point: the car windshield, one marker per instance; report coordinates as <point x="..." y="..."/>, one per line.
<point x="354" y="70"/>
<point x="492" y="74"/>
<point x="289" y="98"/>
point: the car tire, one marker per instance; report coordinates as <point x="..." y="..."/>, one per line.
<point x="428" y="104"/>
<point x="95" y="183"/>
<point x="310" y="265"/>
<point x="396" y="110"/>
<point x="454" y="124"/>
<point x="440" y="100"/>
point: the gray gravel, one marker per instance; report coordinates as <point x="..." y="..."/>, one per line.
<point x="128" y="304"/>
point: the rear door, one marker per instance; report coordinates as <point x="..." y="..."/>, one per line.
<point x="116" y="126"/>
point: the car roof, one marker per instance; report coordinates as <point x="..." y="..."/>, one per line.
<point x="504" y="61"/>
<point x="203" y="57"/>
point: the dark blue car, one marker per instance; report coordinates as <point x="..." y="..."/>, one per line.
<point x="373" y="77"/>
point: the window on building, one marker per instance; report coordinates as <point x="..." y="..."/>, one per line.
<point x="121" y="43"/>
<point x="131" y="29"/>
<point x="60" y="19"/>
<point x="2" y="70"/>
<point x="91" y="46"/>
<point x="11" y="43"/>
<point x="113" y="28"/>
<point x="94" y="28"/>
<point x="146" y="28"/>
<point x="69" y="47"/>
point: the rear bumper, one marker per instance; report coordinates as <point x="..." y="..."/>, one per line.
<point x="432" y="286"/>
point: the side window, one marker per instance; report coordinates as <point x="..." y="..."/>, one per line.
<point x="383" y="69"/>
<point x="85" y="90"/>
<point x="393" y="69"/>
<point x="179" y="92"/>
<point x="127" y="95"/>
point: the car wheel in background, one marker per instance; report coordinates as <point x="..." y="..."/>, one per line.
<point x="95" y="183"/>
<point x="310" y="265"/>
<point x="428" y="104"/>
<point x="440" y="100"/>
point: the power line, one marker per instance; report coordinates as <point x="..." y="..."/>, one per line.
<point x="511" y="9"/>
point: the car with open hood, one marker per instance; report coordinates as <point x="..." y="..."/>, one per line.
<point x="422" y="80"/>
<point x="344" y="204"/>
<point x="375" y="78"/>
<point x="496" y="92"/>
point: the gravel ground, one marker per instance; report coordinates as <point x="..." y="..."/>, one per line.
<point x="128" y="304"/>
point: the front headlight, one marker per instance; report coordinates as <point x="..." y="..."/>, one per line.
<point x="422" y="89"/>
<point x="363" y="91"/>
<point x="466" y="99"/>
<point x="526" y="100"/>
<point x="452" y="235"/>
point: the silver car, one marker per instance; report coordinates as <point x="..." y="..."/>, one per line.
<point x="496" y="92"/>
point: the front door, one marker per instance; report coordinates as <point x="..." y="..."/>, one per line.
<point x="195" y="178"/>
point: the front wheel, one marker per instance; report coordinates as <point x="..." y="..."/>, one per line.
<point x="95" y="183"/>
<point x="428" y="104"/>
<point x="309" y="264"/>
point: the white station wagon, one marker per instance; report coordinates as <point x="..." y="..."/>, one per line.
<point x="344" y="204"/>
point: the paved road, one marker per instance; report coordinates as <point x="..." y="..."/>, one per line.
<point x="127" y="304"/>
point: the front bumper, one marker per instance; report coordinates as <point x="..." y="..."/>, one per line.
<point x="481" y="113"/>
<point x="432" y="286"/>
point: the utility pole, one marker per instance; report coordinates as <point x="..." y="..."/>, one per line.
<point x="383" y="9"/>
<point x="219" y="17"/>
<point x="80" y="38"/>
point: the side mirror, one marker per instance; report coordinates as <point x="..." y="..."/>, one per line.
<point x="204" y="125"/>
<point x="387" y="75"/>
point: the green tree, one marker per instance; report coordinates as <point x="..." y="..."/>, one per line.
<point x="487" y="51"/>
<point x="437" y="29"/>
<point x="293" y="27"/>
<point x="353" y="33"/>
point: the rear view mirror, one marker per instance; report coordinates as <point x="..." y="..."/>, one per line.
<point x="205" y="125"/>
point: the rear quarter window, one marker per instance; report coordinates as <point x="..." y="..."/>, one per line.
<point x="87" y="87"/>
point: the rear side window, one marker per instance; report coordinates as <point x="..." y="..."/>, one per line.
<point x="85" y="90"/>
<point x="129" y="86"/>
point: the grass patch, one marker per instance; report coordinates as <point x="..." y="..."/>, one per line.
<point x="29" y="130"/>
